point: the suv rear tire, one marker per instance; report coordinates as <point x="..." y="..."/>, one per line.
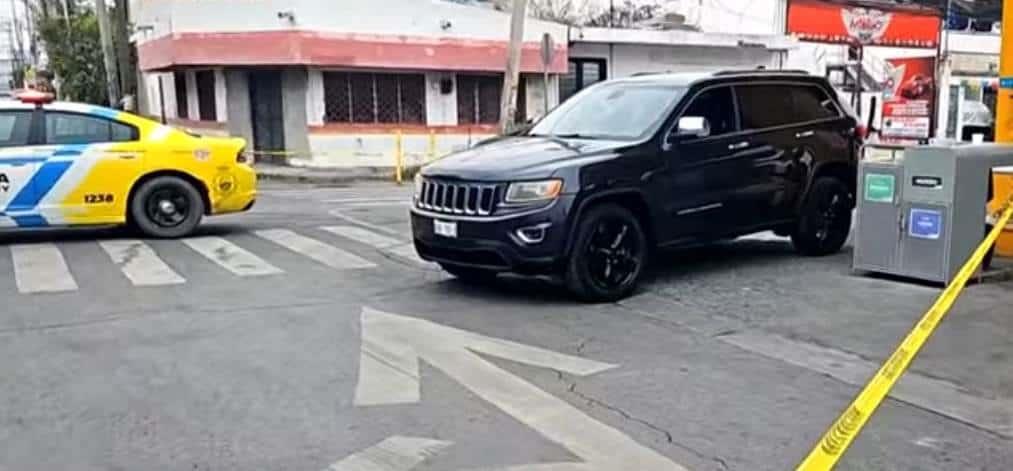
<point x="608" y="255"/>
<point x="825" y="219"/>
<point x="469" y="274"/>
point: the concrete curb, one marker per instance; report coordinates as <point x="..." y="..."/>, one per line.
<point x="279" y="173"/>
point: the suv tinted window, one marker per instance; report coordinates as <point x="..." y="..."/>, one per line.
<point x="765" y="106"/>
<point x="15" y="126"/>
<point x="618" y="110"/>
<point x="72" y="128"/>
<point x="717" y="107"/>
<point x="811" y="103"/>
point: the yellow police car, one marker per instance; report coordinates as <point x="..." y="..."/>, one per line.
<point x="72" y="164"/>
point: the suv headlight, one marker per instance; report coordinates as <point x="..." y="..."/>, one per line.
<point x="525" y="192"/>
<point x="418" y="185"/>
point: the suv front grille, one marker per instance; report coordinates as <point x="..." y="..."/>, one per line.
<point x="478" y="199"/>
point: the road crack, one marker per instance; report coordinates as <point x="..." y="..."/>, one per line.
<point x="595" y="402"/>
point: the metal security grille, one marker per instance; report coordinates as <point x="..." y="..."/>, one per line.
<point x="206" y="95"/>
<point x="360" y="97"/>
<point x="458" y="198"/>
<point x="478" y="99"/>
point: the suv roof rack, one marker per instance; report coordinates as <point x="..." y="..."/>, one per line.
<point x="761" y="71"/>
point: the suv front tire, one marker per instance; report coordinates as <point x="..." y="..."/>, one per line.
<point x="608" y="254"/>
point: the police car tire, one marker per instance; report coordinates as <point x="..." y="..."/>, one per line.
<point x="143" y="222"/>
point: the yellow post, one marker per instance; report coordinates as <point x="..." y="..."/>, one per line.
<point x="431" y="152"/>
<point x="1004" y="99"/>
<point x="398" y="156"/>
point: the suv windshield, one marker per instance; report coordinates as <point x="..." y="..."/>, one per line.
<point x="621" y="111"/>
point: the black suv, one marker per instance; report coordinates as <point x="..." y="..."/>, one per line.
<point x="630" y="165"/>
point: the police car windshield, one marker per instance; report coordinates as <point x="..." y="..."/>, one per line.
<point x="620" y="111"/>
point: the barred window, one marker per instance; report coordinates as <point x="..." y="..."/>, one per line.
<point x="478" y="99"/>
<point x="179" y="82"/>
<point x="206" y="95"/>
<point x="360" y="97"/>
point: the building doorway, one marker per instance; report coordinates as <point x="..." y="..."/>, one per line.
<point x="266" y="111"/>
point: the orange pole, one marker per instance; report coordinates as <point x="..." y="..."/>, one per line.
<point x="1004" y="99"/>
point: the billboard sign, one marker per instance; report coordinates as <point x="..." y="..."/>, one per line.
<point x="820" y="21"/>
<point x="908" y="96"/>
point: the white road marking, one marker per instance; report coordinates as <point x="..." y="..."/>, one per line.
<point x="363" y="236"/>
<point x="231" y="256"/>
<point x="140" y="264"/>
<point x="40" y="268"/>
<point x="929" y="393"/>
<point x="389" y="245"/>
<point x="393" y="454"/>
<point x="312" y="248"/>
<point x="360" y="222"/>
<point x="388" y="374"/>
<point x="405" y="200"/>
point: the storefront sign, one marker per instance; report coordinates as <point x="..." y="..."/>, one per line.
<point x="908" y="97"/>
<point x="814" y="20"/>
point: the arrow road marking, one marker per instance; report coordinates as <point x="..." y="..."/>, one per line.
<point x="389" y="374"/>
<point x="393" y="454"/>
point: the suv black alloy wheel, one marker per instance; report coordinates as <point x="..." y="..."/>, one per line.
<point x="608" y="256"/>
<point x="825" y="219"/>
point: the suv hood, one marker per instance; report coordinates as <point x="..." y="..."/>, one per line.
<point x="517" y="158"/>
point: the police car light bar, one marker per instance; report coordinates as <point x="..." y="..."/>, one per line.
<point x="34" y="97"/>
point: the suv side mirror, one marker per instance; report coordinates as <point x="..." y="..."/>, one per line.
<point x="693" y="127"/>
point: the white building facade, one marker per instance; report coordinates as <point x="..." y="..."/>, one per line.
<point x="338" y="84"/>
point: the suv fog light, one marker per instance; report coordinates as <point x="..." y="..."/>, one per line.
<point x="533" y="234"/>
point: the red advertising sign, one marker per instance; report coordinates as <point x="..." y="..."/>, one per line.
<point x="813" y="20"/>
<point x="907" y="98"/>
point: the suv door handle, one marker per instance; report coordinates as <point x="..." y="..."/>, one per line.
<point x="738" y="145"/>
<point x="804" y="134"/>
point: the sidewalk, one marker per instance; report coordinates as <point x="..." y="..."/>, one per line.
<point x="325" y="176"/>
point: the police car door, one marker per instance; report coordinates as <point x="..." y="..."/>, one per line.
<point x="93" y="161"/>
<point x="18" y="165"/>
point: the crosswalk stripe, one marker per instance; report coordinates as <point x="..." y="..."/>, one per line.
<point x="40" y="268"/>
<point x="312" y="248"/>
<point x="386" y="244"/>
<point x="139" y="263"/>
<point x="231" y="256"/>
<point x="363" y="236"/>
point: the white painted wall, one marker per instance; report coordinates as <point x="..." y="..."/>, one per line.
<point x="377" y="150"/>
<point x="441" y="109"/>
<point x="381" y="17"/>
<point x="221" y="97"/>
<point x="627" y="59"/>
<point x="535" y="89"/>
<point x="153" y="105"/>
<point x="315" y="105"/>
<point x="192" y="102"/>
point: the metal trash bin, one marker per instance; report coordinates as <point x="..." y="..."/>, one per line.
<point x="933" y="219"/>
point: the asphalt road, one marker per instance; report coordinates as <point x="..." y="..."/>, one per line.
<point x="305" y="335"/>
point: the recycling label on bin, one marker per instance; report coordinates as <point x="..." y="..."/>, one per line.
<point x="879" y="187"/>
<point x="925" y="224"/>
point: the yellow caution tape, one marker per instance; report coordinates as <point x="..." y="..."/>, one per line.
<point x="836" y="440"/>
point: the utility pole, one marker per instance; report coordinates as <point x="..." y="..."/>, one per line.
<point x="108" y="53"/>
<point x="508" y="99"/>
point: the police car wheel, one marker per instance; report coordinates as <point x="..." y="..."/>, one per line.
<point x="166" y="207"/>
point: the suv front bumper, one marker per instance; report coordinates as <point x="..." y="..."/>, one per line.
<point x="493" y="242"/>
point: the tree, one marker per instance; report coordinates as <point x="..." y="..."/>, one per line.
<point x="623" y="15"/>
<point x="75" y="56"/>
<point x="618" y="14"/>
<point x="570" y="12"/>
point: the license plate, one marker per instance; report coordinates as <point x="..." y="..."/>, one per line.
<point x="444" y="228"/>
